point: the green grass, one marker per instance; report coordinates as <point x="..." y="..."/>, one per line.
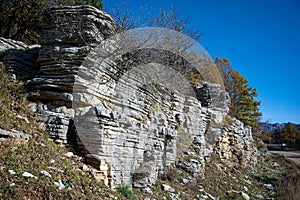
<point x="126" y="192"/>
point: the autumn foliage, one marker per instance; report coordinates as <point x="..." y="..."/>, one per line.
<point x="243" y="104"/>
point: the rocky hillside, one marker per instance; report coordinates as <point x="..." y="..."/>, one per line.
<point x="134" y="135"/>
<point x="139" y="129"/>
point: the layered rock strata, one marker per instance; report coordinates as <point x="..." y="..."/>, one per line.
<point x="69" y="34"/>
<point x="19" y="58"/>
<point x="131" y="132"/>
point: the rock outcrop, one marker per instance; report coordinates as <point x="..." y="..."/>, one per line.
<point x="236" y="145"/>
<point x="129" y="131"/>
<point x="19" y="58"/>
<point x="69" y="34"/>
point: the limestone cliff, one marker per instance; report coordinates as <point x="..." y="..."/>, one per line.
<point x="134" y="131"/>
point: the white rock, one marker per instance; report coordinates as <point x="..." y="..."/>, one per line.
<point x="173" y="196"/>
<point x="246" y="189"/>
<point x="245" y="196"/>
<point x="259" y="196"/>
<point x="201" y="189"/>
<point x="59" y="184"/>
<point x="46" y="173"/>
<point x="147" y="190"/>
<point x="52" y="161"/>
<point x="29" y="175"/>
<point x="210" y="196"/>
<point x="54" y="168"/>
<point x="275" y="164"/>
<point x="168" y="188"/>
<point x="69" y="154"/>
<point x="12" y="172"/>
<point x="183" y="180"/>
<point x="85" y="168"/>
<point x="1" y="168"/>
<point x="12" y="184"/>
<point x="269" y="186"/>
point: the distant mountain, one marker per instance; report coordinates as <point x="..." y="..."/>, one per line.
<point x="274" y="127"/>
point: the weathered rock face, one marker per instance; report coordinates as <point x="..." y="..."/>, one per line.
<point x="236" y="145"/>
<point x="69" y="34"/>
<point x="130" y="131"/>
<point x="142" y="131"/>
<point x="19" y="58"/>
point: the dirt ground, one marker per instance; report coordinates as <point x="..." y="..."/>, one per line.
<point x="292" y="155"/>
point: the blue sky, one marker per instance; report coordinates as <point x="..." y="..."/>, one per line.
<point x="261" y="38"/>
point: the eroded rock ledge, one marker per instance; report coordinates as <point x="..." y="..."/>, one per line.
<point x="134" y="132"/>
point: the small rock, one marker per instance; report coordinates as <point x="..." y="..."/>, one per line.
<point x="245" y="196"/>
<point x="201" y="189"/>
<point x="173" y="196"/>
<point x="113" y="197"/>
<point x="194" y="161"/>
<point x="183" y="180"/>
<point x="162" y="175"/>
<point x="12" y="184"/>
<point x="84" y="168"/>
<point x="269" y="186"/>
<point x="246" y="189"/>
<point x="69" y="154"/>
<point x="59" y="141"/>
<point x="52" y="161"/>
<point x="29" y="175"/>
<point x="54" y="168"/>
<point x="59" y="184"/>
<point x="275" y="164"/>
<point x="46" y="173"/>
<point x="166" y="187"/>
<point x="12" y="172"/>
<point x="147" y="190"/>
<point x="42" y="144"/>
<point x="1" y="168"/>
<point x="210" y="196"/>
<point x="259" y="196"/>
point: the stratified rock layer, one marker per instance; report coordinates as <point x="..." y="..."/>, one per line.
<point x="129" y="131"/>
<point x="19" y="58"/>
<point x="69" y="34"/>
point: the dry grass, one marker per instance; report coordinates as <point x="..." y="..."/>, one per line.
<point x="289" y="187"/>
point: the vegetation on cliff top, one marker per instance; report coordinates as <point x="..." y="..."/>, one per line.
<point x="22" y="19"/>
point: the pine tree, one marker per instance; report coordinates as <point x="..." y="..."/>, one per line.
<point x="290" y="135"/>
<point x="243" y="104"/>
